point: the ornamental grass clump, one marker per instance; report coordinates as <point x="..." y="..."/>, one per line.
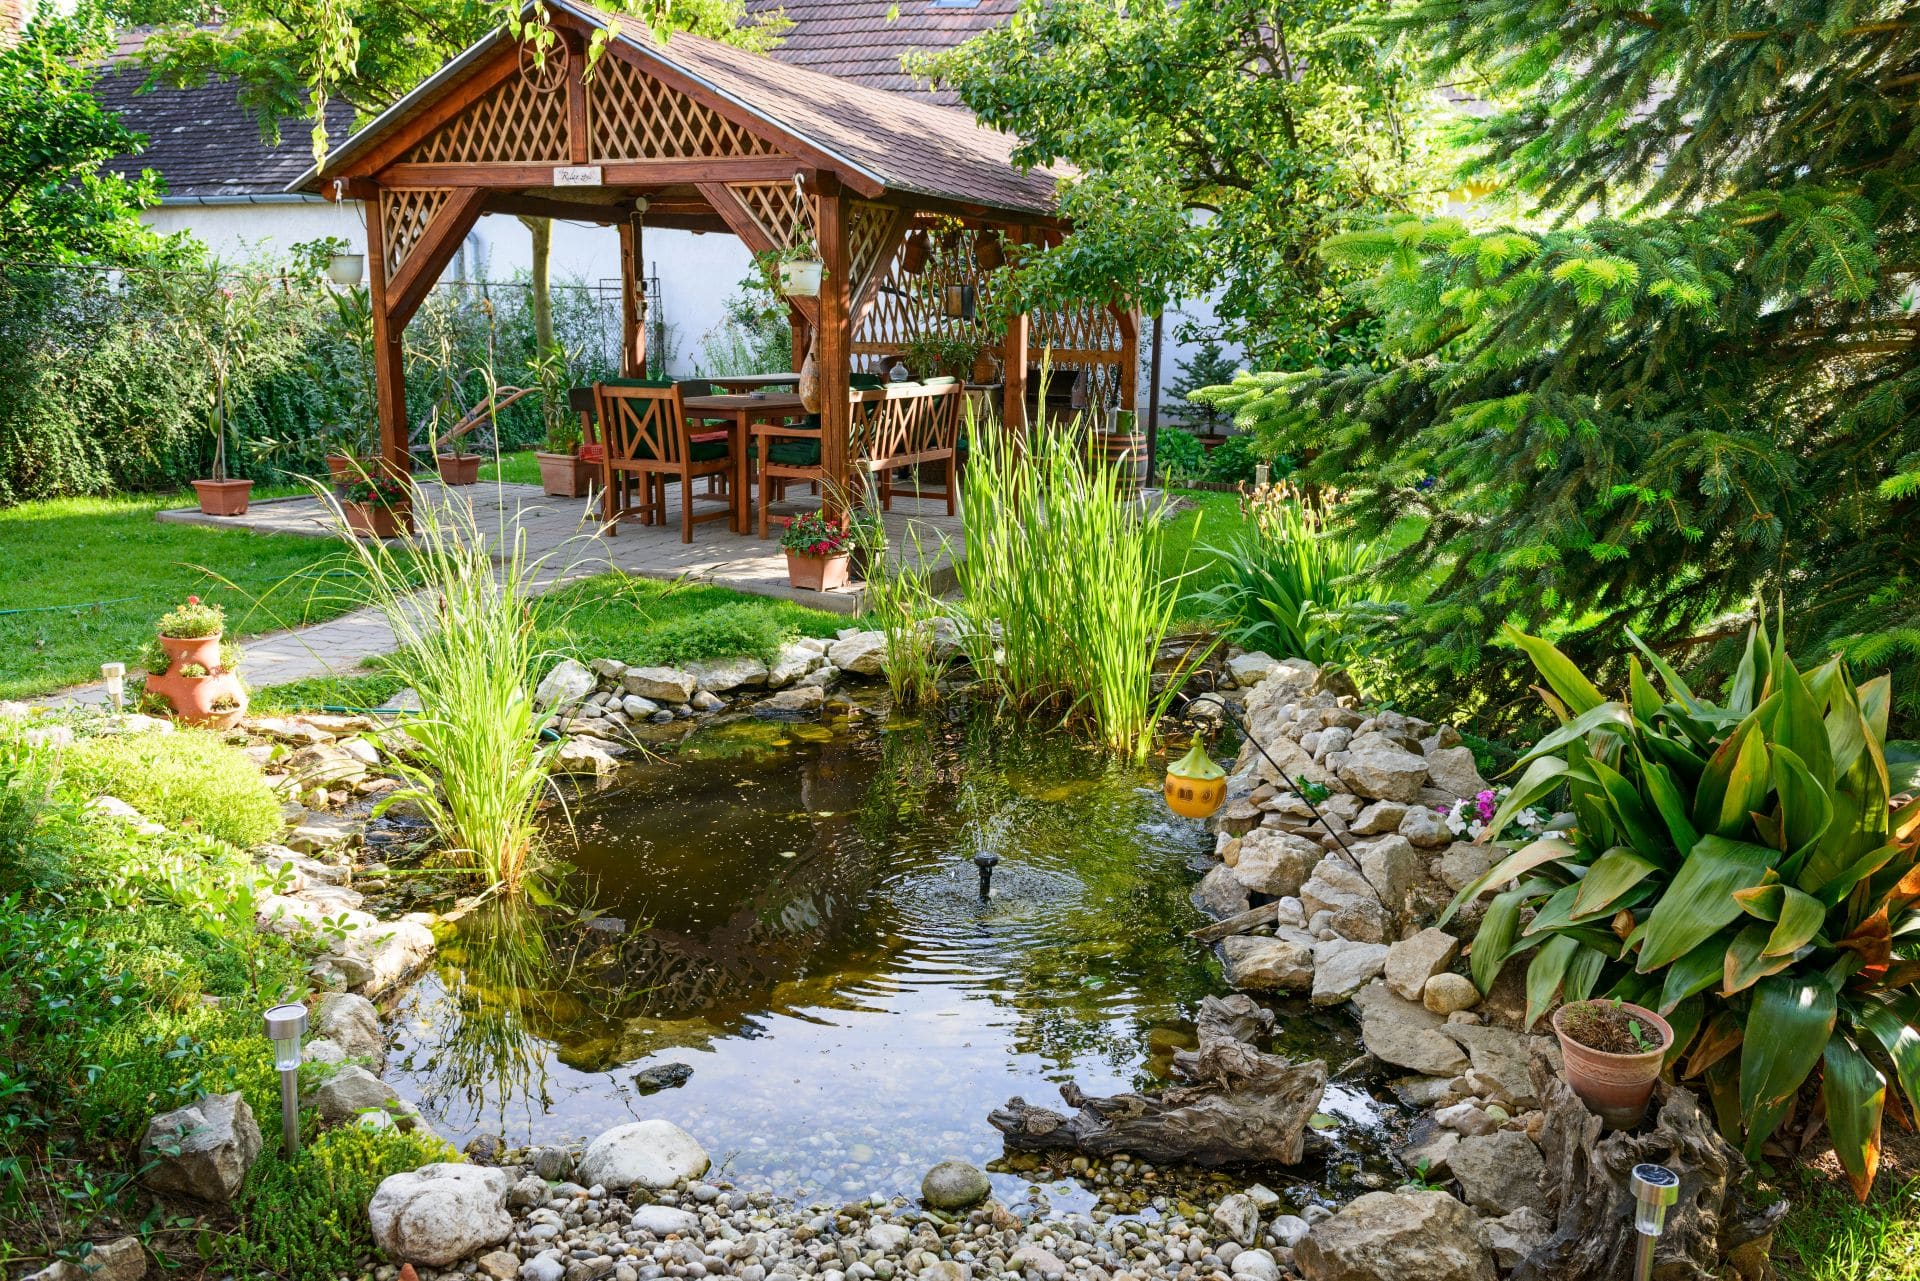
<point x="1065" y="600"/>
<point x="465" y="628"/>
<point x="1749" y="870"/>
<point x="901" y="601"/>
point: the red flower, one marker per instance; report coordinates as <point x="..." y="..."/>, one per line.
<point x="193" y="600"/>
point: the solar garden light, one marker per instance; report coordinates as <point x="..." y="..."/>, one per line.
<point x="286" y="1025"/>
<point x="1655" y="1187"/>
<point x="116" y="675"/>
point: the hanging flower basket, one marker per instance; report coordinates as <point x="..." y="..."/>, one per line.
<point x="800" y="277"/>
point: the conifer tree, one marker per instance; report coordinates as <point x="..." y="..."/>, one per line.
<point x="1684" y="383"/>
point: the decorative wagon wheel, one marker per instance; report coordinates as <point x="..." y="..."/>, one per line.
<point x="544" y="72"/>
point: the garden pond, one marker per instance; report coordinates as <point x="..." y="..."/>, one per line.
<point x="793" y="911"/>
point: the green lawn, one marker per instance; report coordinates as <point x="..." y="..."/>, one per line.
<point x="518" y="468"/>
<point x="1828" y="1236"/>
<point x="85" y="579"/>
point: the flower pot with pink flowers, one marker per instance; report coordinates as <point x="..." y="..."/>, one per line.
<point x="819" y="551"/>
<point x="193" y="670"/>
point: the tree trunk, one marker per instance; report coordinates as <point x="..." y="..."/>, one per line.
<point x="542" y="283"/>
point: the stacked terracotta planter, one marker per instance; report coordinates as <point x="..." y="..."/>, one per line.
<point x="193" y="697"/>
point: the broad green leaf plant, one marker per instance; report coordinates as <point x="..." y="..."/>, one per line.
<point x="1750" y="869"/>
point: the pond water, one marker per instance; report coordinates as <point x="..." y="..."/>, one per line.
<point x="793" y="911"/>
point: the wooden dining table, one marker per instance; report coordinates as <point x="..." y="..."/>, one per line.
<point x="753" y="382"/>
<point x="740" y="411"/>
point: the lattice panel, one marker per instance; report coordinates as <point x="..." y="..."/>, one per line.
<point x="632" y="116"/>
<point x="776" y="209"/>
<point x="907" y="306"/>
<point x="405" y="215"/>
<point x="514" y="123"/>
<point x="868" y="227"/>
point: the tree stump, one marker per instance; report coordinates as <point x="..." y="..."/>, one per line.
<point x="1238" y="1105"/>
<point x="1711" y="1233"/>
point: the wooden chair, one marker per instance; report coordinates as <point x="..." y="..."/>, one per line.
<point x="918" y="430"/>
<point x="646" y="438"/>
<point x="788" y="453"/>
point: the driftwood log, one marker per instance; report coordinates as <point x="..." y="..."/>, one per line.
<point x="1237" y="1104"/>
<point x="1710" y="1230"/>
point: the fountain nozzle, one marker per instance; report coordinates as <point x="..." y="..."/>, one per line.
<point x="986" y="861"/>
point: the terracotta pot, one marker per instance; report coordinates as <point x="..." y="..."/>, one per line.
<point x="982" y="370"/>
<point x="204" y="650"/>
<point x="344" y="469"/>
<point x="458" y="469"/>
<point x="565" y="475"/>
<point x="378" y="519"/>
<point x="192" y="697"/>
<point x="1615" y="1086"/>
<point x="223" y="497"/>
<point x="818" y="573"/>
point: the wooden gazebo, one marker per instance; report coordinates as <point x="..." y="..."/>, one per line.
<point x="694" y="134"/>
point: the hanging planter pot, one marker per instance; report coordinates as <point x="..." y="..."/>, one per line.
<point x="800" y="278"/>
<point x="346" y="269"/>
<point x="913" y="258"/>
<point x="987" y="254"/>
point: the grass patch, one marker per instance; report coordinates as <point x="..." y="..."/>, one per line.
<point x="108" y="570"/>
<point x="1829" y="1236"/>
<point x="189" y="779"/>
<point x="643" y="620"/>
<point x="1203" y="517"/>
<point x="365" y="691"/>
<point x="517" y="468"/>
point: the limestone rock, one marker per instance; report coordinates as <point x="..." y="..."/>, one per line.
<point x="440" y="1214"/>
<point x="663" y="1220"/>
<point x="389" y="951"/>
<point x="583" y="756"/>
<point x="722" y="674"/>
<point x="203" y="1150"/>
<point x="661" y="684"/>
<point x="1385" y="773"/>
<point x="1500" y="1172"/>
<point x="1392" y="868"/>
<point x="353" y="1023"/>
<point x="1220" y="893"/>
<point x="1276" y="863"/>
<point x="954" y="1185"/>
<point x="352" y="1092"/>
<point x="1406" y="1035"/>
<point x="1499" y="1054"/>
<point x="1267" y="964"/>
<point x="121" y="1260"/>
<point x="1452" y="770"/>
<point x="317" y="833"/>
<point x="1449" y="994"/>
<point x="1379" y="818"/>
<point x="1342" y="967"/>
<point x="863" y="653"/>
<point x="1424" y="828"/>
<point x="1408" y="1233"/>
<point x="1250" y="668"/>
<point x="793" y="662"/>
<point x="795" y="700"/>
<point x="637" y="707"/>
<point x="647" y="1154"/>
<point x="1336" y="888"/>
<point x="1411" y="962"/>
<point x="498" y="1265"/>
<point x="1463" y="864"/>
<point x="566" y="685"/>
<point x="1513" y="1237"/>
<point x="1238" y="1217"/>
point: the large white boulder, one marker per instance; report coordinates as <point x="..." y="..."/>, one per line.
<point x="722" y="674"/>
<point x="353" y="1023"/>
<point x="440" y="1214"/>
<point x="863" y="654"/>
<point x="645" y="1154"/>
<point x="1408" y="1233"/>
<point x="661" y="684"/>
<point x="1275" y="862"/>
<point x="564" y="686"/>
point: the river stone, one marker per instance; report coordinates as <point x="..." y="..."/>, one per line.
<point x="637" y="707"/>
<point x="1255" y="964"/>
<point x="794" y="700"/>
<point x="1384" y="773"/>
<point x="1250" y="668"/>
<point x="1406" y="1035"/>
<point x="203" y="1150"/>
<point x="1449" y="994"/>
<point x="1409" y="1233"/>
<point x="318" y="832"/>
<point x="1276" y="863"/>
<point x="889" y="1237"/>
<point x="661" y="684"/>
<point x="353" y="1023"/>
<point x="648" y="1154"/>
<point x="663" y="1220"/>
<point x="1342" y="967"/>
<point x="1255" y="1265"/>
<point x="1378" y="818"/>
<point x="1424" y="828"/>
<point x="1336" y="888"/>
<point x="954" y="1185"/>
<point x="1412" y="961"/>
<point x="1463" y="864"/>
<point x="1238" y="1217"/>
<point x="1039" y="1259"/>
<point x="1500" y="1172"/>
<point x="1513" y="1237"/>
<point x="440" y="1214"/>
<point x="863" y="653"/>
<point x="1452" y="770"/>
<point x="661" y="1076"/>
<point x="722" y="674"/>
<point x="498" y="1265"/>
<point x="583" y="756"/>
<point x="567" y="684"/>
<point x="1220" y="893"/>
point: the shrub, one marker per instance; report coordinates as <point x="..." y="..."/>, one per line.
<point x="1742" y="868"/>
<point x="306" y="1219"/>
<point x="725" y="631"/>
<point x="1232" y="461"/>
<point x="187" y="779"/>
<point x="1179" y="454"/>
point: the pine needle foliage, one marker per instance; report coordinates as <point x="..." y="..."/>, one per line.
<point x="1684" y="381"/>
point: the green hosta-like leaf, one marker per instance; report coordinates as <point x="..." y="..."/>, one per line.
<point x="1640" y="693"/>
<point x="1547" y="973"/>
<point x="1894" y="1021"/>
<point x="1695" y="972"/>
<point x="1841" y="883"/>
<point x="1533" y="854"/>
<point x="1751" y="678"/>
<point x="1806" y="807"/>
<point x="1876" y="697"/>
<point x="1788" y="1023"/>
<point x="1583" y="972"/>
<point x="1797" y="726"/>
<point x="1745" y="963"/>
<point x="1554" y="914"/>
<point x="1612" y="874"/>
<point x="1735" y="781"/>
<point x="1638" y="827"/>
<point x="1496" y="934"/>
<point x="1700" y="899"/>
<point x="1562" y="677"/>
<point x="1671" y="805"/>
<point x="1675" y="686"/>
<point x="1605" y="716"/>
<point x="1856" y="1096"/>
<point x="1903" y="765"/>
<point x="1542" y="775"/>
<point x="1685" y="1020"/>
<point x="1801" y="916"/>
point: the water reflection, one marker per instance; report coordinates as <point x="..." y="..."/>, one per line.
<point x="794" y="913"/>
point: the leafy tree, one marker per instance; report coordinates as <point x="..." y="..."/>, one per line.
<point x="1690" y="385"/>
<point x="1217" y="146"/>
<point x="56" y="204"/>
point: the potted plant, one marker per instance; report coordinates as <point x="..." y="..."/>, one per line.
<point x="795" y="271"/>
<point x="378" y="505"/>
<point x="819" y="551"/>
<point x="564" y="473"/>
<point x="930" y="355"/>
<point x="458" y="467"/>
<point x="230" y="322"/>
<point x="1612" y="1053"/>
<point x="192" y="670"/>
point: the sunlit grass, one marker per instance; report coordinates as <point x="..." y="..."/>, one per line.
<point x="1828" y="1236"/>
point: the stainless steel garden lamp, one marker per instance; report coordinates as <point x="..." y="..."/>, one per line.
<point x="1655" y="1188"/>
<point x="115" y="675"/>
<point x="286" y="1025"/>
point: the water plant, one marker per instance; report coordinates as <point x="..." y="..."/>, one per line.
<point x="902" y="603"/>
<point x="1750" y="870"/>
<point x="1066" y="603"/>
<point x="474" y="763"/>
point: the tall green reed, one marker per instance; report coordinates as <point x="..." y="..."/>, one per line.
<point x="900" y="599"/>
<point x="462" y="616"/>
<point x="1066" y="599"/>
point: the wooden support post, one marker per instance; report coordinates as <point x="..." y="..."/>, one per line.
<point x="633" y="306"/>
<point x="834" y="338"/>
<point x="1129" y="358"/>
<point x="389" y="356"/>
<point x="1014" y="356"/>
<point x="802" y="335"/>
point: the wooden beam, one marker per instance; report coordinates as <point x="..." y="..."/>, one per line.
<point x="1013" y="355"/>
<point x="576" y="95"/>
<point x="430" y="254"/>
<point x="502" y="202"/>
<point x="743" y="224"/>
<point x="456" y="100"/>
<point x="621" y="173"/>
<point x="389" y="356"/>
<point x="633" y="334"/>
<point x="1129" y="357"/>
<point x="834" y="337"/>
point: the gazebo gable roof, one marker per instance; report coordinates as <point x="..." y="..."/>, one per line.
<point x="692" y="98"/>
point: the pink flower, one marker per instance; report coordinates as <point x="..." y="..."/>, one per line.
<point x="1484" y="803"/>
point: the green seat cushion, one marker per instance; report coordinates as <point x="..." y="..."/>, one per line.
<point x="705" y="451"/>
<point x="942" y="381"/>
<point x="866" y="382"/>
<point x="637" y="382"/>
<point x="795" y="453"/>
